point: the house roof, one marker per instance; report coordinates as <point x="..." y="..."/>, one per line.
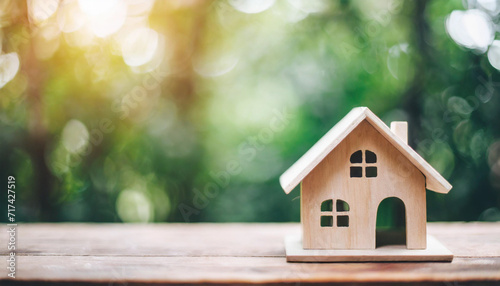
<point x="300" y="169"/>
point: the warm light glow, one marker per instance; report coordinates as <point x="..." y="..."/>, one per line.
<point x="80" y="38"/>
<point x="69" y="17"/>
<point x="105" y="24"/>
<point x="251" y="6"/>
<point x="139" y="7"/>
<point x="139" y="46"/>
<point x="97" y="7"/>
<point x="40" y="11"/>
<point x="47" y="41"/>
<point x="9" y="65"/>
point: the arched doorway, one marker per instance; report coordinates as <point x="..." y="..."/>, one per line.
<point x="391" y="222"/>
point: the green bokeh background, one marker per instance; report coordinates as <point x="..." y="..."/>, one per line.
<point x="235" y="99"/>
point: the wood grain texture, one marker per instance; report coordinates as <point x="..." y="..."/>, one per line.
<point x="400" y="128"/>
<point x="135" y="254"/>
<point x="435" y="251"/>
<point x="314" y="156"/>
<point x="396" y="177"/>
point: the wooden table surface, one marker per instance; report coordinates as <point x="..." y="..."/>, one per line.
<point x="135" y="254"/>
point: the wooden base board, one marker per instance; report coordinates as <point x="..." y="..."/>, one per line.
<point x="435" y="252"/>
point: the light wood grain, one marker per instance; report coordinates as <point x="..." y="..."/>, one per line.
<point x="396" y="177"/>
<point x="314" y="156"/>
<point x="305" y="164"/>
<point x="228" y="253"/>
<point x="400" y="129"/>
<point x="245" y="270"/>
<point x="435" y="251"/>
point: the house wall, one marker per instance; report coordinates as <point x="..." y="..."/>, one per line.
<point x="396" y="177"/>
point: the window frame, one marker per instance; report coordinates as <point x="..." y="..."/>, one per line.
<point x="363" y="169"/>
<point x="339" y="213"/>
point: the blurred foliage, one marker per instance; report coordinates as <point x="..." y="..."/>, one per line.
<point x="142" y="111"/>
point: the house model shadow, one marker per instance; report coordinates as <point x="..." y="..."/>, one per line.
<point x="347" y="174"/>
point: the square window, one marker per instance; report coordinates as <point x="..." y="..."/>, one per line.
<point x="326" y="221"/>
<point x="356" y="172"/>
<point x="371" y="172"/>
<point x="342" y="221"/>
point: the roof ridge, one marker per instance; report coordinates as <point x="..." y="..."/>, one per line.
<point x="307" y="162"/>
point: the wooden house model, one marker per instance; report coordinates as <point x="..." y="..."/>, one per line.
<point x="345" y="176"/>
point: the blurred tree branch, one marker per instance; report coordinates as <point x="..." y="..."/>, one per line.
<point x="38" y="137"/>
<point x="413" y="96"/>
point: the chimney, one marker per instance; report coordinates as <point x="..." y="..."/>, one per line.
<point x="400" y="129"/>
